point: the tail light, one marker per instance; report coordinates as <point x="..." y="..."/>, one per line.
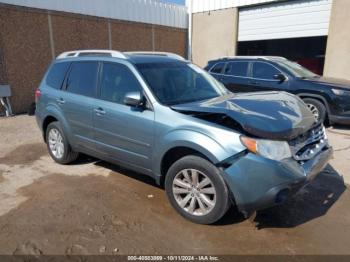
<point x="37" y="95"/>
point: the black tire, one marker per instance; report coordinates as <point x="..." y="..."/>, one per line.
<point x="321" y="109"/>
<point x="222" y="202"/>
<point x="68" y="155"/>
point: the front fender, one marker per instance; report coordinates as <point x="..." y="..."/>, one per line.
<point x="318" y="97"/>
<point x="195" y="140"/>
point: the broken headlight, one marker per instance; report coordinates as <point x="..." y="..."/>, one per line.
<point x="275" y="150"/>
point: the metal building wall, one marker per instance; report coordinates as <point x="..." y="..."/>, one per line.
<point x="197" y="6"/>
<point x="144" y="11"/>
<point x="337" y="62"/>
<point x="214" y="35"/>
<point x="288" y="19"/>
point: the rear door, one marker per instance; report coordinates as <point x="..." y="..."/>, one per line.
<point x="122" y="132"/>
<point x="217" y="70"/>
<point x="262" y="77"/>
<point x="235" y="76"/>
<point x="78" y="100"/>
<point x="51" y="88"/>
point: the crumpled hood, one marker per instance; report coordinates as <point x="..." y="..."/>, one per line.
<point x="272" y="115"/>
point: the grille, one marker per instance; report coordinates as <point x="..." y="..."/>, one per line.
<point x="307" y="145"/>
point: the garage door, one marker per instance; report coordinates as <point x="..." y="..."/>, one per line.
<point x="288" y="19"/>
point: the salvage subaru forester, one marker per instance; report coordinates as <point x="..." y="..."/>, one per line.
<point x="160" y="115"/>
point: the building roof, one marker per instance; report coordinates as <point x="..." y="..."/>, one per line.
<point x="198" y="6"/>
<point x="143" y="11"/>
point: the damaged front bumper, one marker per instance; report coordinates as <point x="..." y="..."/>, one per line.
<point x="258" y="183"/>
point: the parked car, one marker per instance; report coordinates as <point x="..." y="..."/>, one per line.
<point x="327" y="98"/>
<point x="162" y="116"/>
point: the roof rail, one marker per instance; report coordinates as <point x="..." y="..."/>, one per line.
<point x="77" y="53"/>
<point x="171" y="55"/>
<point x="254" y="57"/>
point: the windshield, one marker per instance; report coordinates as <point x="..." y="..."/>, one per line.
<point x="178" y="82"/>
<point x="296" y="69"/>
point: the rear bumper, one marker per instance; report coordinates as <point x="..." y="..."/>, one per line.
<point x="258" y="183"/>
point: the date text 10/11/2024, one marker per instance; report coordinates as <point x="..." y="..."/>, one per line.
<point x="173" y="258"/>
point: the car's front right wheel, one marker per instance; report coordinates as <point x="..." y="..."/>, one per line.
<point x="196" y="189"/>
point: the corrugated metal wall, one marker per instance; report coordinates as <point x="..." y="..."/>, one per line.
<point x="144" y="11"/>
<point x="197" y="6"/>
<point x="290" y="19"/>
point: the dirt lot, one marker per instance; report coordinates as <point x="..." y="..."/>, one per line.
<point x="97" y="208"/>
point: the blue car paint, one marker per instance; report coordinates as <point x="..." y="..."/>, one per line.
<point x="145" y="136"/>
<point x="266" y="177"/>
<point x="271" y="115"/>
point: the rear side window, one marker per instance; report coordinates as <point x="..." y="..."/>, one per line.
<point x="82" y="78"/>
<point x="116" y="81"/>
<point x="56" y="75"/>
<point x="218" y="68"/>
<point x="237" y="68"/>
<point x="264" y="71"/>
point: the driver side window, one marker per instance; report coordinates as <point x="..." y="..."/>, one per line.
<point x="263" y="70"/>
<point x="116" y="81"/>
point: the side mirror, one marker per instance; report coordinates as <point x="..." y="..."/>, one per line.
<point x="280" y="77"/>
<point x="133" y="99"/>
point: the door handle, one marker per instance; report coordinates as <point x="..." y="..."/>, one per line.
<point x="254" y="82"/>
<point x="60" y="101"/>
<point x="99" y="111"/>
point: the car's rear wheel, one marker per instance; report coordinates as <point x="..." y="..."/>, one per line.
<point x="196" y="190"/>
<point x="317" y="109"/>
<point x="58" y="146"/>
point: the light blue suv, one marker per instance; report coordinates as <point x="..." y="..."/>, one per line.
<point x="160" y="115"/>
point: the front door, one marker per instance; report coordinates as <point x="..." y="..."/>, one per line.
<point x="122" y="132"/>
<point x="263" y="78"/>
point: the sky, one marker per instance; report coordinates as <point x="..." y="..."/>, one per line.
<point x="179" y="2"/>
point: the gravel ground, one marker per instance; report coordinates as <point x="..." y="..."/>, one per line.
<point x="92" y="207"/>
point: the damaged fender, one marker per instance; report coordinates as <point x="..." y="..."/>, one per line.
<point x="204" y="144"/>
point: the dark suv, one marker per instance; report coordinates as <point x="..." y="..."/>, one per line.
<point x="327" y="98"/>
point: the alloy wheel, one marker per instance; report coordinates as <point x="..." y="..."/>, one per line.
<point x="194" y="192"/>
<point x="56" y="143"/>
<point x="314" y="110"/>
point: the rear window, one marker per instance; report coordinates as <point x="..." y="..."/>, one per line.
<point x="237" y="68"/>
<point x="217" y="69"/>
<point x="83" y="78"/>
<point x="56" y="75"/>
